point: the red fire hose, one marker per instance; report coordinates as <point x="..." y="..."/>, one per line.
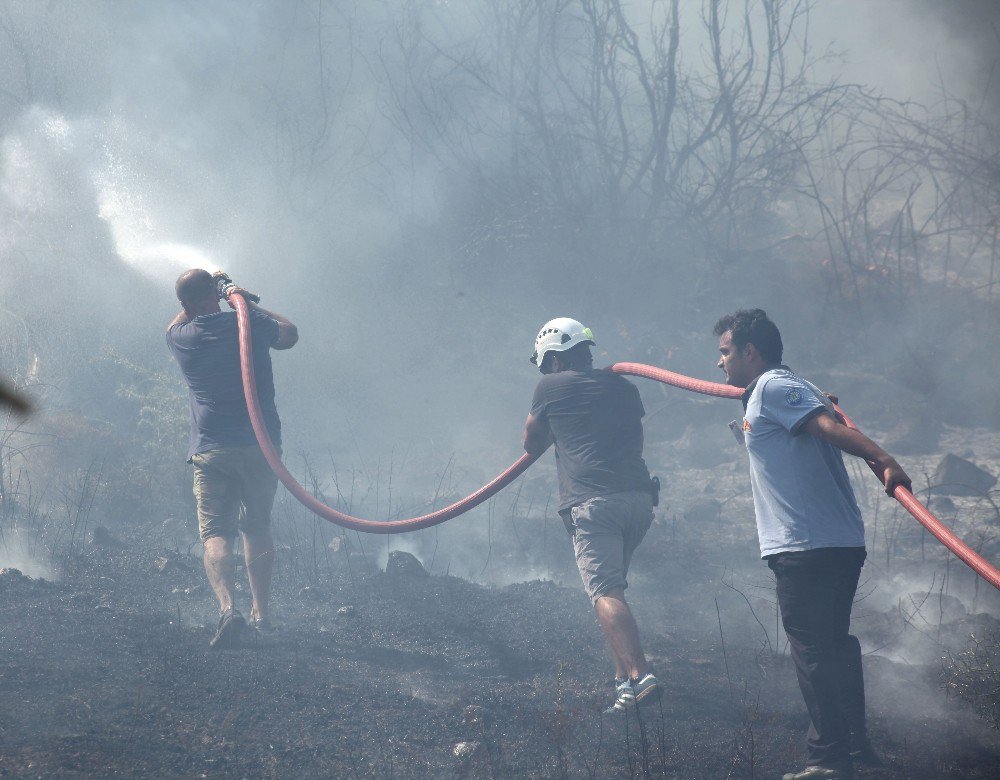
<point x="940" y="531"/>
<point x="318" y="507"/>
<point x="923" y="515"/>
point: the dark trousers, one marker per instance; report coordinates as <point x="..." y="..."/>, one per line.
<point x="815" y="592"/>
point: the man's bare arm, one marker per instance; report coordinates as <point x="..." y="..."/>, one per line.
<point x="288" y="333"/>
<point x="537" y="435"/>
<point x="853" y="442"/>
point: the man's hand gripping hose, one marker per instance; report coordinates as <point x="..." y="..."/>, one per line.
<point x="923" y="515"/>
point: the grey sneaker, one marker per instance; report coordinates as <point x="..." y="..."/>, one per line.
<point x="262" y="625"/>
<point x="227" y="635"/>
<point x="839" y="771"/>
<point x="624" y="698"/>
<point x="647" y="690"/>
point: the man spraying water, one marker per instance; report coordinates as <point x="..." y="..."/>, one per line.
<point x="233" y="485"/>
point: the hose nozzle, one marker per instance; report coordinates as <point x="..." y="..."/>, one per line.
<point x="224" y="285"/>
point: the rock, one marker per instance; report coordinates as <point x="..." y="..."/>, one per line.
<point x="405" y="566"/>
<point x="168" y="563"/>
<point x="338" y="543"/>
<point x="162" y="564"/>
<point x="955" y="476"/>
<point x="942" y="504"/>
<point x="466" y="749"/>
<point x="474" y="715"/>
<point x="346" y="611"/>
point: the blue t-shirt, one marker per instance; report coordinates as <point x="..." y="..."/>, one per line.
<point x="207" y="349"/>
<point x="801" y="493"/>
<point x="596" y="420"/>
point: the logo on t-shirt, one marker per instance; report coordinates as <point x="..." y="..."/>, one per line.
<point x="746" y="425"/>
<point x="793" y="396"/>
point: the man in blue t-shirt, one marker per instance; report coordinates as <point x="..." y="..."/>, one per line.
<point x="233" y="485"/>
<point x="810" y="532"/>
<point x="594" y="419"/>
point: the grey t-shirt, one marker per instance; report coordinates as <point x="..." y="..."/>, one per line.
<point x="801" y="492"/>
<point x="207" y="350"/>
<point x="596" y="421"/>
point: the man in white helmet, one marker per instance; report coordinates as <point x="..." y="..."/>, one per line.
<point x="594" y="419"/>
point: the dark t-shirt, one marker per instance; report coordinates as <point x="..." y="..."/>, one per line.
<point x="596" y="421"/>
<point x="207" y="349"/>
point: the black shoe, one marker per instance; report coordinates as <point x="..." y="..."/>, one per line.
<point x="227" y="635"/>
<point x="262" y="625"/>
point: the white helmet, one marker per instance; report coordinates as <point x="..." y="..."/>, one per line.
<point x="559" y="335"/>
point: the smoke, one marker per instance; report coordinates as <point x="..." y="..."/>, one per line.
<point x="918" y="50"/>
<point x="18" y="552"/>
<point x="281" y="141"/>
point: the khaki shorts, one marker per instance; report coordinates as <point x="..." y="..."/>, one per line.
<point x="606" y="530"/>
<point x="234" y="488"/>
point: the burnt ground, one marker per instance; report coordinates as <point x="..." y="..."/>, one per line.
<point x="105" y="669"/>
<point x="107" y="673"/>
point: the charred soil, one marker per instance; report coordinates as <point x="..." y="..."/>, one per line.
<point x="107" y="673"/>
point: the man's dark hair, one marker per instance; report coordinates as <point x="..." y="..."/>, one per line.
<point x="751" y="326"/>
<point x="576" y="358"/>
<point x="194" y="286"/>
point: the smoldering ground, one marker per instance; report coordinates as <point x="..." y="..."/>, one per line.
<point x="419" y="185"/>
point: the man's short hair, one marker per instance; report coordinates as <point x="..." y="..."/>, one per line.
<point x="195" y="286"/>
<point x="751" y="326"/>
<point x="576" y="358"/>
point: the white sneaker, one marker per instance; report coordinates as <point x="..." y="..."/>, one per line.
<point x="624" y="698"/>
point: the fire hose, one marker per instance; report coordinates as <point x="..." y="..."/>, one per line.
<point x="921" y="513"/>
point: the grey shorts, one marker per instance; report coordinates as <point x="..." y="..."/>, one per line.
<point x="606" y="530"/>
<point x="234" y="488"/>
